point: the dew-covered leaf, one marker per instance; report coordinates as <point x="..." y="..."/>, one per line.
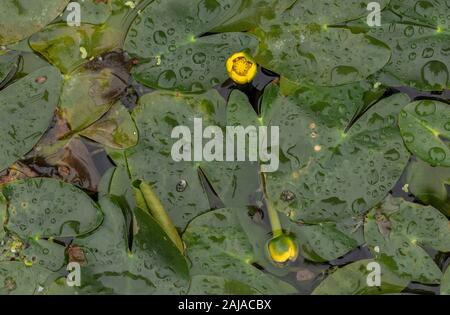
<point x="150" y="265"/>
<point x="334" y="164"/>
<point x="176" y="183"/>
<point x="44" y="208"/>
<point x="173" y="55"/>
<point x="429" y="184"/>
<point x="27" y="110"/>
<point x="308" y="53"/>
<point x="21" y="18"/>
<point x="216" y="285"/>
<point x="428" y="12"/>
<point x="425" y="128"/>
<point x="400" y="230"/>
<point x="326" y="12"/>
<point x="420" y="55"/>
<point x="352" y="279"/>
<point x="219" y="247"/>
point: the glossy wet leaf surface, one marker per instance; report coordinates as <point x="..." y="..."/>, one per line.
<point x="429" y="184"/>
<point x="218" y="247"/>
<point x="425" y="127"/>
<point x="152" y="265"/>
<point x="20" y="19"/>
<point x="171" y="51"/>
<point x="402" y="230"/>
<point x="352" y="280"/>
<point x="359" y="178"/>
<point x="28" y="106"/>
<point x="176" y="183"/>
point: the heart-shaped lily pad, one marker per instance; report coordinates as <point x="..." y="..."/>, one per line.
<point x="177" y="183"/>
<point x="337" y="164"/>
<point x="39" y="210"/>
<point x="399" y="230"/>
<point x="251" y="13"/>
<point x="56" y="209"/>
<point x="352" y="279"/>
<point x="20" y="19"/>
<point x="28" y="106"/>
<point x="425" y="127"/>
<point x="219" y="247"/>
<point x="147" y="264"/>
<point x="169" y="39"/>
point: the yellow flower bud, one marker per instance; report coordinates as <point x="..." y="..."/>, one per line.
<point x="282" y="249"/>
<point x="241" y="68"/>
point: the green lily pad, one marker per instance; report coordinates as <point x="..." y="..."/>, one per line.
<point x="419" y="55"/>
<point x="429" y="184"/>
<point x="219" y="247"/>
<point x="327" y="241"/>
<point x="28" y="107"/>
<point x="116" y="129"/>
<point x="400" y="229"/>
<point x="251" y="13"/>
<point x="47" y="208"/>
<point x="338" y="164"/>
<point x="326" y="12"/>
<point x="212" y="285"/>
<point x="18" y="279"/>
<point x="352" y="279"/>
<point x="308" y="53"/>
<point x="425" y="127"/>
<point x="173" y="55"/>
<point x="433" y="13"/>
<point x="177" y="184"/>
<point x="151" y="264"/>
<point x="20" y="19"/>
<point x="445" y="283"/>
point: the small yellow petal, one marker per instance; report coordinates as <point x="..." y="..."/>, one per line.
<point x="241" y="68"/>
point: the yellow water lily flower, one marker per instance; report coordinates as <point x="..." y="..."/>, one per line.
<point x="282" y="249"/>
<point x="241" y="68"/>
